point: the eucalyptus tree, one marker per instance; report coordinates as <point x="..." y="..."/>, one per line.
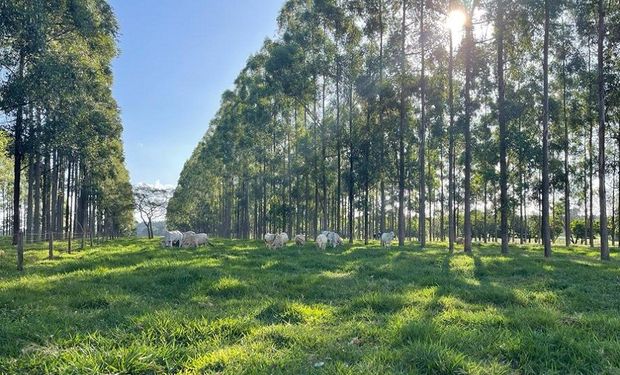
<point x="468" y="46"/>
<point x="546" y="235"/>
<point x="601" y="132"/>
<point x="500" y="26"/>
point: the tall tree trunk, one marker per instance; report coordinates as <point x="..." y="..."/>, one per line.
<point x="485" y="230"/>
<point x="401" y="139"/>
<point x="590" y="165"/>
<point x="469" y="46"/>
<point x="36" y="220"/>
<point x="29" y="227"/>
<point x="567" y="233"/>
<point x="422" y="126"/>
<point x="601" y="134"/>
<point x="325" y="218"/>
<point x="546" y="235"/>
<point x="503" y="131"/>
<point x="338" y="149"/>
<point x="451" y="179"/>
<point x="54" y="198"/>
<point x="442" y="228"/>
<point x="381" y="125"/>
<point x="17" y="165"/>
<point x="68" y="231"/>
<point x="351" y="160"/>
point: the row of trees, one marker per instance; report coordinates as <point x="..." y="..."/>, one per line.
<point x="440" y="118"/>
<point x="61" y="121"/>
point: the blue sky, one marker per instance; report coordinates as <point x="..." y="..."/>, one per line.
<point x="177" y="57"/>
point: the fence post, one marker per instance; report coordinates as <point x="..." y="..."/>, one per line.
<point x="20" y="251"/>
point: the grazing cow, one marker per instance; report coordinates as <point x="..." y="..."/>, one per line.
<point x="377" y="235"/>
<point x="460" y="240"/>
<point x="321" y="241"/>
<point x="202" y="239"/>
<point x="387" y="238"/>
<point x="300" y="239"/>
<point x="189" y="239"/>
<point x="278" y="241"/>
<point x="268" y="238"/>
<point x="335" y="239"/>
<point x="284" y="237"/>
<point x="172" y="238"/>
<point x="275" y="241"/>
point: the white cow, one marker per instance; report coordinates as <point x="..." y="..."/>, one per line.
<point x="321" y="241"/>
<point x="278" y="241"/>
<point x="284" y="237"/>
<point x="387" y="238"/>
<point x="172" y="237"/>
<point x="189" y="239"/>
<point x="300" y="239"/>
<point x="333" y="238"/>
<point x="202" y="239"/>
<point x="268" y="238"/>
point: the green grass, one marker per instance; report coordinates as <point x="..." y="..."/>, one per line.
<point x="132" y="307"/>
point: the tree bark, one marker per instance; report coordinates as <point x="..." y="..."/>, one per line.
<point x="567" y="231"/>
<point x="351" y="160"/>
<point x="422" y="127"/>
<point x="601" y="135"/>
<point x="401" y="139"/>
<point x="501" y="113"/>
<point x="469" y="46"/>
<point x="451" y="182"/>
<point x="18" y="153"/>
<point x="545" y="159"/>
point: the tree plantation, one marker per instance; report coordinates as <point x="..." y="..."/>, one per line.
<point x="63" y="127"/>
<point x="385" y="187"/>
<point x="491" y="121"/>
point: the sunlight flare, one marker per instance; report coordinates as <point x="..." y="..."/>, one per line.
<point x="456" y="20"/>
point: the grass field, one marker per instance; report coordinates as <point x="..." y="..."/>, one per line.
<point x="132" y="307"/>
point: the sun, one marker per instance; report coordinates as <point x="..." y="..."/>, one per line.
<point x="456" y="20"/>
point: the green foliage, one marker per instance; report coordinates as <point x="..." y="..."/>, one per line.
<point x="132" y="307"/>
<point x="56" y="58"/>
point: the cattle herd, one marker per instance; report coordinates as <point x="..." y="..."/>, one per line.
<point x="187" y="239"/>
<point x="176" y="238"/>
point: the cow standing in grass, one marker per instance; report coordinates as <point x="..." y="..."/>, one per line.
<point x="172" y="238"/>
<point x="300" y="239"/>
<point x="387" y="238"/>
<point x="275" y="241"/>
<point x="189" y="239"/>
<point x="202" y="239"/>
<point x="333" y="238"/>
<point x="321" y="241"/>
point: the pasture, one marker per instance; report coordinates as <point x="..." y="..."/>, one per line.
<point x="132" y="307"/>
